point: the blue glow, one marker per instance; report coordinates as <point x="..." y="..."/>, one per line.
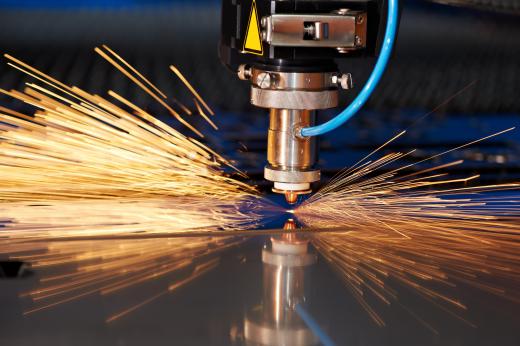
<point x="373" y="80"/>
<point x="314" y="326"/>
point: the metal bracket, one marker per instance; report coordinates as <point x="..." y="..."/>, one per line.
<point x="344" y="30"/>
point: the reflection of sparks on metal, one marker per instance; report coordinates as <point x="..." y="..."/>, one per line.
<point x="401" y="227"/>
<point x="275" y="320"/>
<point x="54" y="220"/>
<point x="83" y="167"/>
<point x="79" y="145"/>
<point x="76" y="269"/>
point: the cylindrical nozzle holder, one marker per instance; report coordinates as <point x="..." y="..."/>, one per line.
<point x="292" y="98"/>
<point x="291" y="158"/>
<point x="286" y="150"/>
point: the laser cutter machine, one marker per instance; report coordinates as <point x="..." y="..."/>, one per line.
<point x="287" y="50"/>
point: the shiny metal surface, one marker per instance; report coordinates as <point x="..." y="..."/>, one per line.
<point x="345" y="81"/>
<point x="346" y="30"/>
<point x="285" y="149"/>
<point x="275" y="320"/>
<point x="291" y="176"/>
<point x="287" y="260"/>
<point x="309" y="81"/>
<point x="258" y="334"/>
<point x="213" y="309"/>
<point x="294" y="99"/>
<point x="206" y="311"/>
<point x="287" y="152"/>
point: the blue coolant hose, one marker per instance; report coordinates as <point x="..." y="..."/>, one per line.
<point x="379" y="69"/>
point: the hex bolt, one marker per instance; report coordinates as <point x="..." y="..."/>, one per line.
<point x="345" y="81"/>
<point x="244" y="72"/>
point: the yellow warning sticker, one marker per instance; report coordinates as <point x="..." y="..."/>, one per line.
<point x="253" y="41"/>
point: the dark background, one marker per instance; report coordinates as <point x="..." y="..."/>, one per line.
<point x="442" y="51"/>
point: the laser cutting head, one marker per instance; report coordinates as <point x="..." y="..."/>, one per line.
<point x="291" y="98"/>
<point x="286" y="49"/>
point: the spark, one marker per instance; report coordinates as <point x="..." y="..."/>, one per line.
<point x="139" y="83"/>
<point x="191" y="88"/>
<point x="445" y="102"/>
<point x="73" y="270"/>
<point x="86" y="166"/>
<point x="418" y="230"/>
<point x="81" y="145"/>
<point x="198" y="271"/>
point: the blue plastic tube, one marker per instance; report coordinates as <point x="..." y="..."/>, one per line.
<point x="368" y="89"/>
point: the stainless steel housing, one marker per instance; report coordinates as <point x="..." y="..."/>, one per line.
<point x="291" y="158"/>
<point x="292" y="98"/>
<point x="342" y="29"/>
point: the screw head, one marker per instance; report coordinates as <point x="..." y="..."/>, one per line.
<point x="263" y="80"/>
<point x="346" y="81"/>
<point x="263" y="34"/>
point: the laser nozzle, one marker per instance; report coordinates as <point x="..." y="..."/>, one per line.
<point x="291" y="196"/>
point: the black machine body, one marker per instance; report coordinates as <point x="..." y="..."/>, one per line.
<point x="299" y="35"/>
